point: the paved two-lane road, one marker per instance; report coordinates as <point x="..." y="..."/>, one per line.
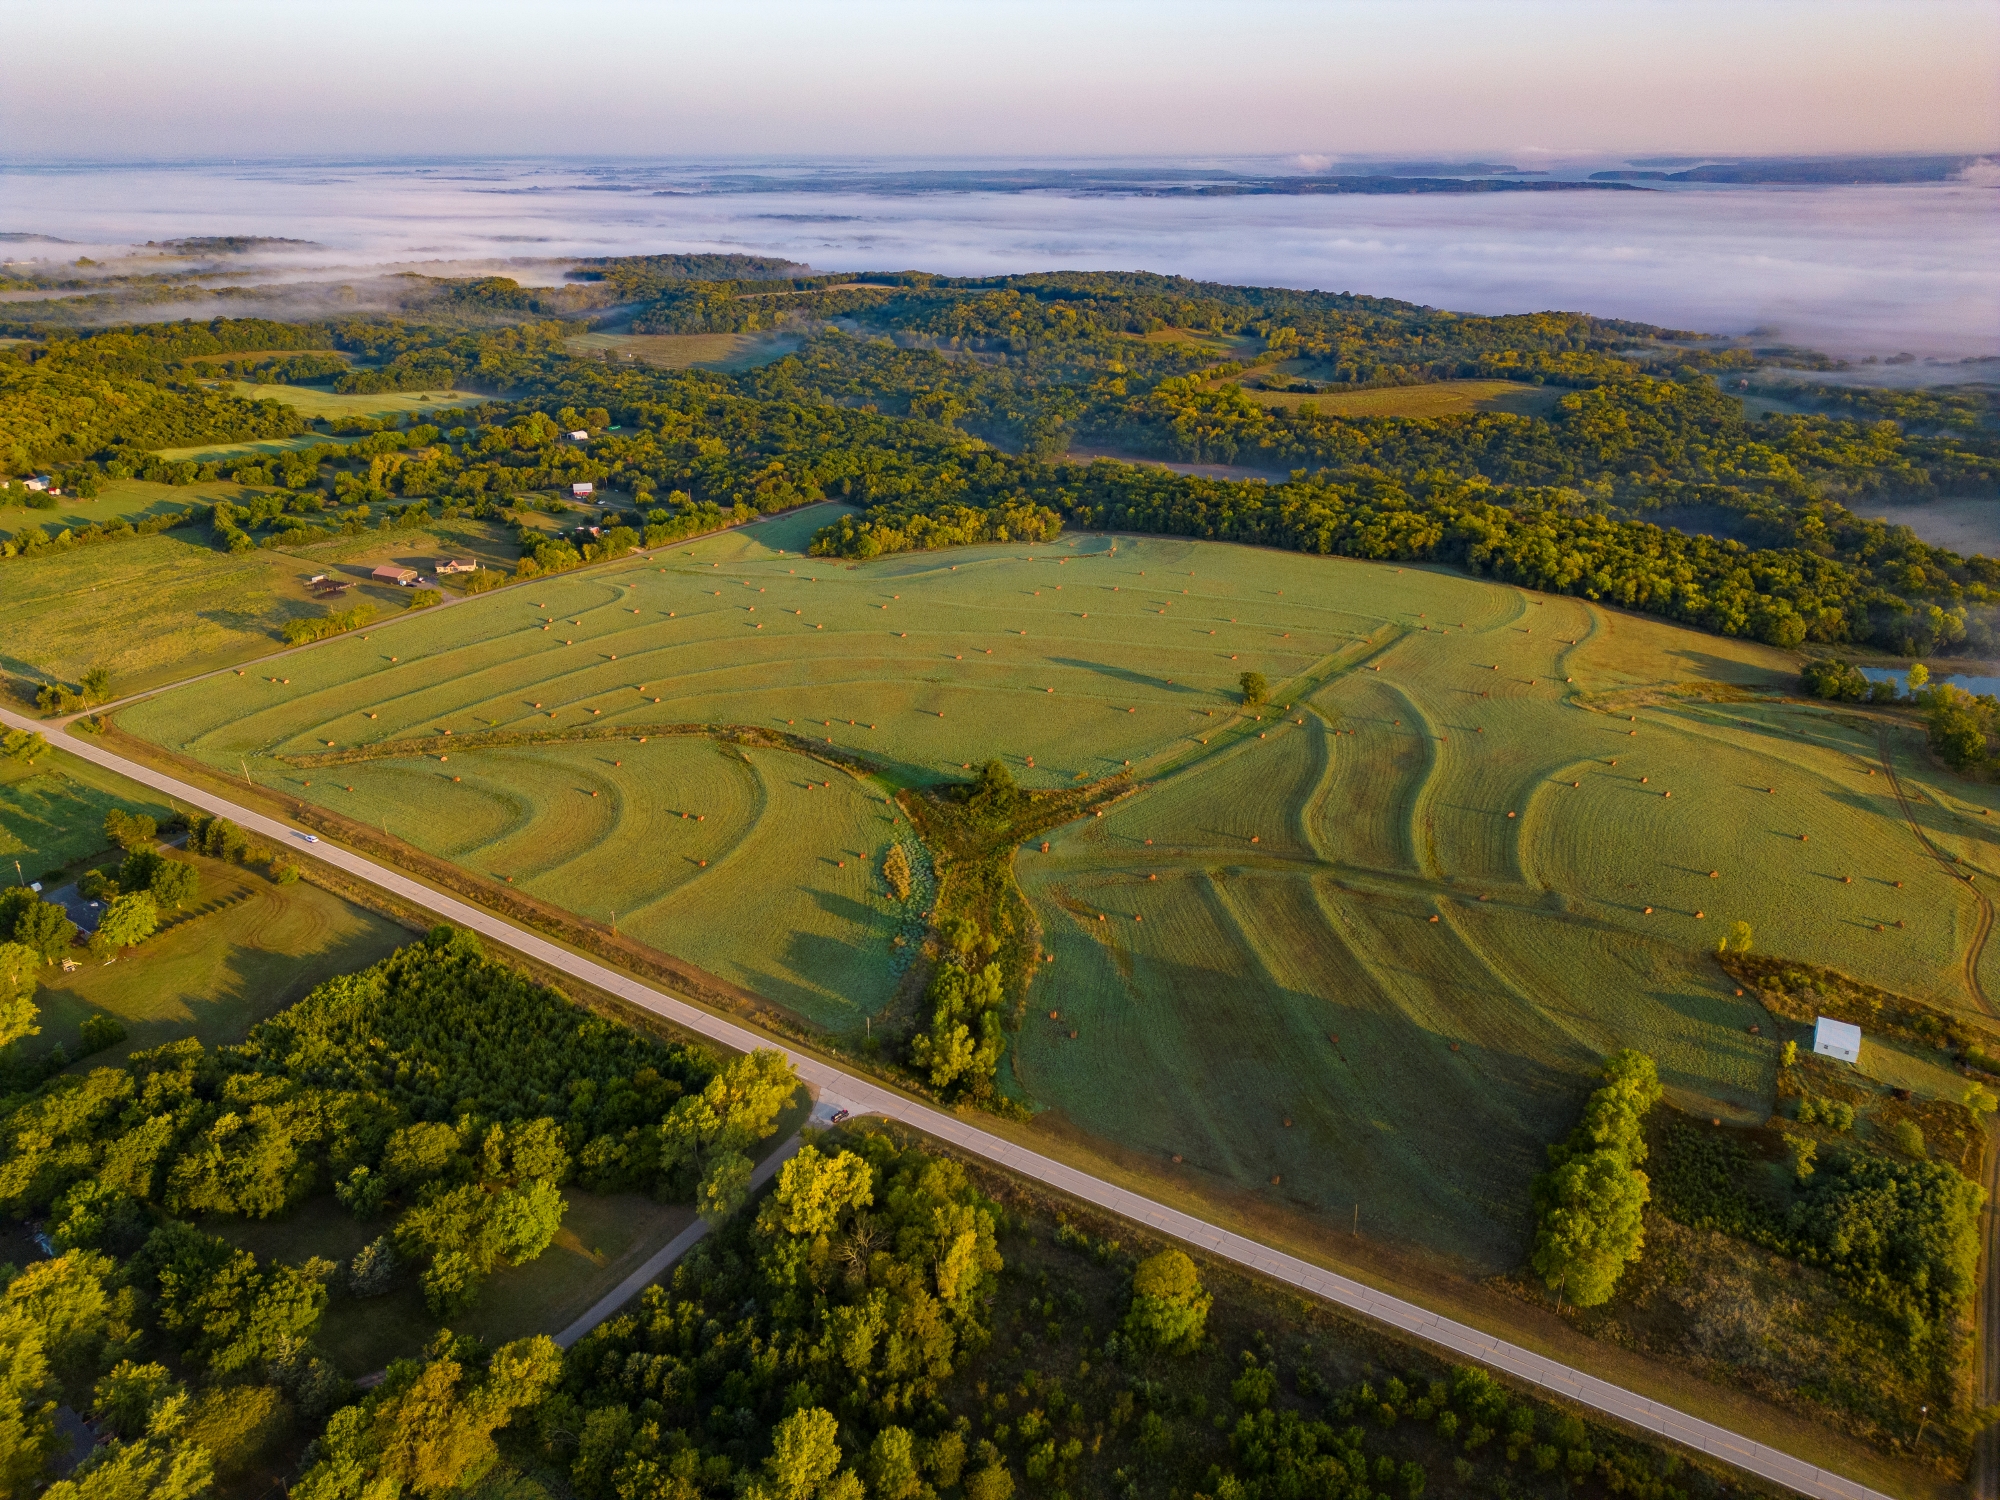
<point x="863" y="1096"/>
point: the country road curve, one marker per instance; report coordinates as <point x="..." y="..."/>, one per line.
<point x="863" y="1096"/>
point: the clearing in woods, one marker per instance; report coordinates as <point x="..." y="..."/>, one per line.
<point x="245" y="949"/>
<point x="688" y="351"/>
<point x="332" y="405"/>
<point x="1444" y="398"/>
<point x="1404" y="909"/>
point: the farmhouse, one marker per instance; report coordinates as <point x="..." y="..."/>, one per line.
<point x="455" y="565"/>
<point x="390" y="573"/>
<point x="1837" y="1039"/>
<point x="583" y="490"/>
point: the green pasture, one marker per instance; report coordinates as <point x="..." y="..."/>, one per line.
<point x="52" y="812"/>
<point x="331" y="405"/>
<point x="162" y="608"/>
<point x="687" y="351"/>
<point x="677" y="840"/>
<point x="1270" y="884"/>
<point x="117" y="500"/>
<point x="248" y="949"/>
<point x="1445" y="398"/>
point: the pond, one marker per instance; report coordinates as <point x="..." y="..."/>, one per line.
<point x="1977" y="686"/>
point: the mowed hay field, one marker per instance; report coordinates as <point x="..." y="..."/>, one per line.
<point x="759" y="865"/>
<point x="332" y="405"/>
<point x="1246" y="937"/>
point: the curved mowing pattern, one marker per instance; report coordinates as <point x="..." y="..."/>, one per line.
<point x="838" y="1090"/>
<point x="1295" y="859"/>
<point x="678" y="840"/>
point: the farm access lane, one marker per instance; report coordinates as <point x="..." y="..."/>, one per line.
<point x="864" y="1096"/>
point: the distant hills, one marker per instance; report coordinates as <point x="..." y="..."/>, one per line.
<point x="1828" y="170"/>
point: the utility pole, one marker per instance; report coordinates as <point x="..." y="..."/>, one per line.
<point x="246" y="771"/>
<point x="1357" y="1221"/>
<point x="1922" y="1424"/>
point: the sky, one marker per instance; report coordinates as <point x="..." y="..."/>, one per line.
<point x="1518" y="80"/>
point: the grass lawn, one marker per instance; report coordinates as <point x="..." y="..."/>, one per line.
<point x="118" y="500"/>
<point x="1266" y="950"/>
<point x="258" y="948"/>
<point x="1443" y="399"/>
<point x="683" y="351"/>
<point x="52" y="813"/>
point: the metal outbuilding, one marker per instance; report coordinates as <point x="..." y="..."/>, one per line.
<point x="1837" y="1039"/>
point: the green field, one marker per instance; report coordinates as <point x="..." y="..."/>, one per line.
<point x="161" y="608"/>
<point x="251" y="949"/>
<point x="688" y="351"/>
<point x="118" y="500"/>
<point x="1444" y="398"/>
<point x="1295" y="860"/>
<point x="52" y="813"/>
<point x="317" y="403"/>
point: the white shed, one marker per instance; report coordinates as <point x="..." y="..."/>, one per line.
<point x="1837" y="1039"/>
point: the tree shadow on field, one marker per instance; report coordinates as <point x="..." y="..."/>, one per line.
<point x="1126" y="675"/>
<point x="1936" y="821"/>
<point x="845" y="908"/>
<point x="1209" y="1061"/>
<point x="1706" y="667"/>
<point x="258" y="984"/>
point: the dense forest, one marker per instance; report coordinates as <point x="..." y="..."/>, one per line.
<point x="946" y="410"/>
<point x="438" y="1093"/>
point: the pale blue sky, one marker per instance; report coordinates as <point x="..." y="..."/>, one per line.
<point x="140" y="78"/>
